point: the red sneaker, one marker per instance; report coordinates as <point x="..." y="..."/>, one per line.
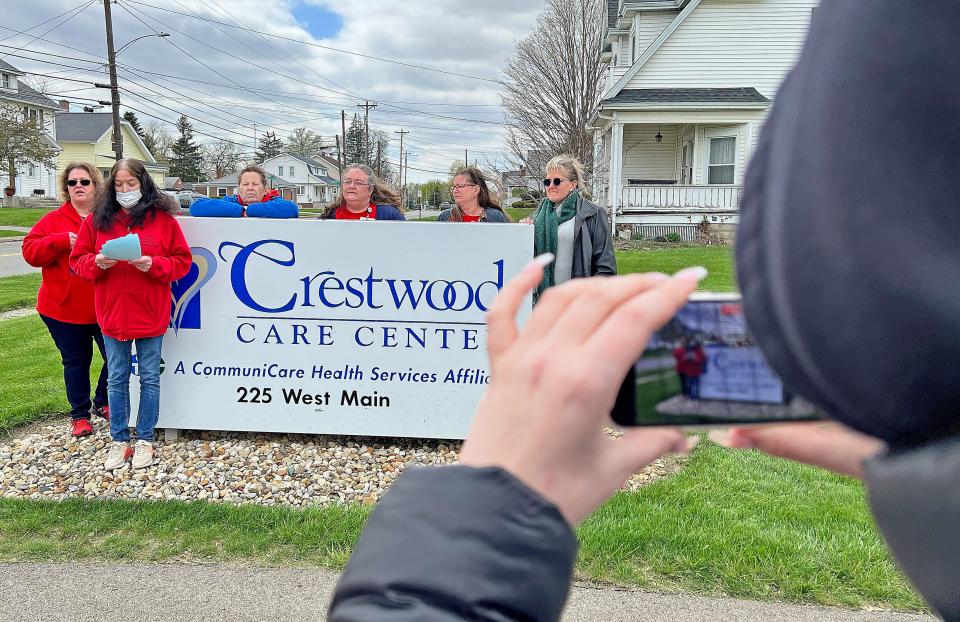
<point x="104" y="411"/>
<point x="81" y="427"/>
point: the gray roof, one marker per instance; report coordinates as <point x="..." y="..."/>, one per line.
<point x="330" y="181"/>
<point x="28" y="95"/>
<point x="738" y="95"/>
<point x="231" y="180"/>
<point x="82" y="127"/>
<point x="5" y="66"/>
<point x="612" y="6"/>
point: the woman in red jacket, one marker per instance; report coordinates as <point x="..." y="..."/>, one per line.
<point x="132" y="297"/>
<point x="65" y="301"/>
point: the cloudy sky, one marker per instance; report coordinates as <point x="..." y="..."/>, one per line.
<point x="223" y="69"/>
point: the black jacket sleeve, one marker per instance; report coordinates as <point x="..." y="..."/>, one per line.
<point x="604" y="261"/>
<point x="458" y="543"/>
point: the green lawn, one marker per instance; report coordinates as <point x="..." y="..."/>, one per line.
<point x="7" y="233"/>
<point x="21" y="216"/>
<point x="19" y="292"/>
<point x="736" y="523"/>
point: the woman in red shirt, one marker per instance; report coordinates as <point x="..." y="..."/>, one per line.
<point x="474" y="203"/>
<point x="132" y="297"/>
<point x="65" y="301"/>
<point x="363" y="197"/>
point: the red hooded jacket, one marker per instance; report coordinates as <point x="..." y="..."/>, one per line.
<point x="132" y="304"/>
<point x="63" y="295"/>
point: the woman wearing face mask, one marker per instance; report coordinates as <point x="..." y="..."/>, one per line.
<point x="65" y="301"/>
<point x="571" y="227"/>
<point x="132" y="297"/>
<point x="474" y="203"/>
<point x="363" y="197"/>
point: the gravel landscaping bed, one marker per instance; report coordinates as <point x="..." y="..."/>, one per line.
<point x="44" y="462"/>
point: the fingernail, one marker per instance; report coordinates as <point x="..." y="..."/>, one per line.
<point x="692" y="442"/>
<point x="543" y="260"/>
<point x="720" y="437"/>
<point x="697" y="272"/>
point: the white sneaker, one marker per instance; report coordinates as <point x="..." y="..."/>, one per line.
<point x="120" y="452"/>
<point x="142" y="454"/>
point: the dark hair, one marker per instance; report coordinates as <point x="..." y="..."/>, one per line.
<point x="151" y="199"/>
<point x="252" y="168"/>
<point x="485" y="199"/>
<point x="91" y="170"/>
<point x="382" y="193"/>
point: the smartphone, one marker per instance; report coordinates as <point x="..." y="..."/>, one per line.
<point x="704" y="369"/>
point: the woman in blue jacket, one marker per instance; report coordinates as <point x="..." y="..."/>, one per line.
<point x="363" y="197"/>
<point x="252" y="199"/>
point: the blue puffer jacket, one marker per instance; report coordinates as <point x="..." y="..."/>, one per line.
<point x="272" y="206"/>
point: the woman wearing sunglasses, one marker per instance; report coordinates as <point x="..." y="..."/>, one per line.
<point x="474" y="203"/>
<point x="65" y="301"/>
<point x="571" y="227"/>
<point x="132" y="297"/>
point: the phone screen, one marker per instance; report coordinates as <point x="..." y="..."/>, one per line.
<point x="703" y="368"/>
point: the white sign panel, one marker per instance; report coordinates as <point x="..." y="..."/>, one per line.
<point x="739" y="375"/>
<point x="372" y="328"/>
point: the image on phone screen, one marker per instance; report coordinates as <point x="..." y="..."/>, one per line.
<point x="703" y="368"/>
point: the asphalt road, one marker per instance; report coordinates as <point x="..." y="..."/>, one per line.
<point x="11" y="261"/>
<point x="180" y="592"/>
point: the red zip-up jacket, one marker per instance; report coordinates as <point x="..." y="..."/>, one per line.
<point x="132" y="304"/>
<point x="63" y="295"/>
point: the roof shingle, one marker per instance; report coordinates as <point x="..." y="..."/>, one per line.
<point x="736" y="95"/>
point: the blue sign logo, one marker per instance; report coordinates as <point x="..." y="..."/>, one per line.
<point x="185" y="306"/>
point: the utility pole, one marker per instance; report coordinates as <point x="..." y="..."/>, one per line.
<point x="366" y="105"/>
<point x="114" y="89"/>
<point x="339" y="156"/>
<point x="405" y="173"/>
<point x="403" y="192"/>
<point x="254" y="143"/>
<point x="343" y="129"/>
<point x="466" y="162"/>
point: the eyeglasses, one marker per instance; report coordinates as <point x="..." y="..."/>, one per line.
<point x="82" y="182"/>
<point x="556" y="182"/>
<point x="460" y="186"/>
<point x="350" y="182"/>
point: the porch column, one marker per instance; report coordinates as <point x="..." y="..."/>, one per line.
<point x="616" y="172"/>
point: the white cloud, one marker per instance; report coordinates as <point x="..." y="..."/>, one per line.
<point x="473" y="38"/>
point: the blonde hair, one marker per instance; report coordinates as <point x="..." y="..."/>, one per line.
<point x="571" y="167"/>
<point x="91" y="170"/>
<point x="382" y="193"/>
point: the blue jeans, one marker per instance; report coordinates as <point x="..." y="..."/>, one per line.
<point x="118" y="386"/>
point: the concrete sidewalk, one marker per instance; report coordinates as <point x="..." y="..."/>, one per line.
<point x="181" y="592"/>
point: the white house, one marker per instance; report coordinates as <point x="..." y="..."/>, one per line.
<point x="688" y="85"/>
<point x="312" y="177"/>
<point x="34" y="178"/>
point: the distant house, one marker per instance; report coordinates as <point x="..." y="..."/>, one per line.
<point x="227" y="186"/>
<point x="688" y="84"/>
<point x="311" y="176"/>
<point x="34" y="178"/>
<point x="173" y="183"/>
<point x="519" y="185"/>
<point x="88" y="137"/>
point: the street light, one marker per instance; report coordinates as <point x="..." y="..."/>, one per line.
<point x="132" y="41"/>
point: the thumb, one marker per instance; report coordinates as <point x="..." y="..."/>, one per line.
<point x="639" y="447"/>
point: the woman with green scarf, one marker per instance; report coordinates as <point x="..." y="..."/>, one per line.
<point x="571" y="227"/>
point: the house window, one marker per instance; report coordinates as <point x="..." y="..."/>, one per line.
<point x="291" y="172"/>
<point x="720" y="169"/>
<point x="633" y="49"/>
<point x="280" y="171"/>
<point x="302" y="190"/>
<point x="6" y="80"/>
<point x="30" y="170"/>
<point x="221" y="192"/>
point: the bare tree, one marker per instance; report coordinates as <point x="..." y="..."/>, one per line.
<point x="305" y="143"/>
<point x="221" y="158"/>
<point x="23" y="141"/>
<point x="553" y="84"/>
<point x="158" y="139"/>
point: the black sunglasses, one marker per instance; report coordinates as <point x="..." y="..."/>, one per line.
<point x="82" y="182"/>
<point x="556" y="182"/>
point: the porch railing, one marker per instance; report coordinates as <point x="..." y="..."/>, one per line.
<point x="681" y="197"/>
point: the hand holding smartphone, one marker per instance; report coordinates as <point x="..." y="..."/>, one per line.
<point x="703" y="369"/>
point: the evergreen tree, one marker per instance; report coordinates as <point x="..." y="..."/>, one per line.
<point x="355" y="149"/>
<point x="132" y="119"/>
<point x="185" y="161"/>
<point x="269" y="147"/>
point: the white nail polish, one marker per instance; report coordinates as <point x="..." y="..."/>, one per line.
<point x="543" y="260"/>
<point x="699" y="272"/>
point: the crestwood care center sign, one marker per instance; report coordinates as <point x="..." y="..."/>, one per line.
<point x="374" y="328"/>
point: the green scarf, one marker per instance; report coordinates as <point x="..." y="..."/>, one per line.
<point x="545" y="234"/>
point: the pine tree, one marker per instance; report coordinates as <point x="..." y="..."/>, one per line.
<point x="132" y="119"/>
<point x="269" y="147"/>
<point x="355" y="147"/>
<point x="185" y="161"/>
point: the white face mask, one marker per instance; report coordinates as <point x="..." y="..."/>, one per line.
<point x="128" y="199"/>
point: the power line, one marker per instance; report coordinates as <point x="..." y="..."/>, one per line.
<point x="79" y="9"/>
<point x="325" y="47"/>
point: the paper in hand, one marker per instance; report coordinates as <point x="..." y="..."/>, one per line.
<point x="125" y="248"/>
